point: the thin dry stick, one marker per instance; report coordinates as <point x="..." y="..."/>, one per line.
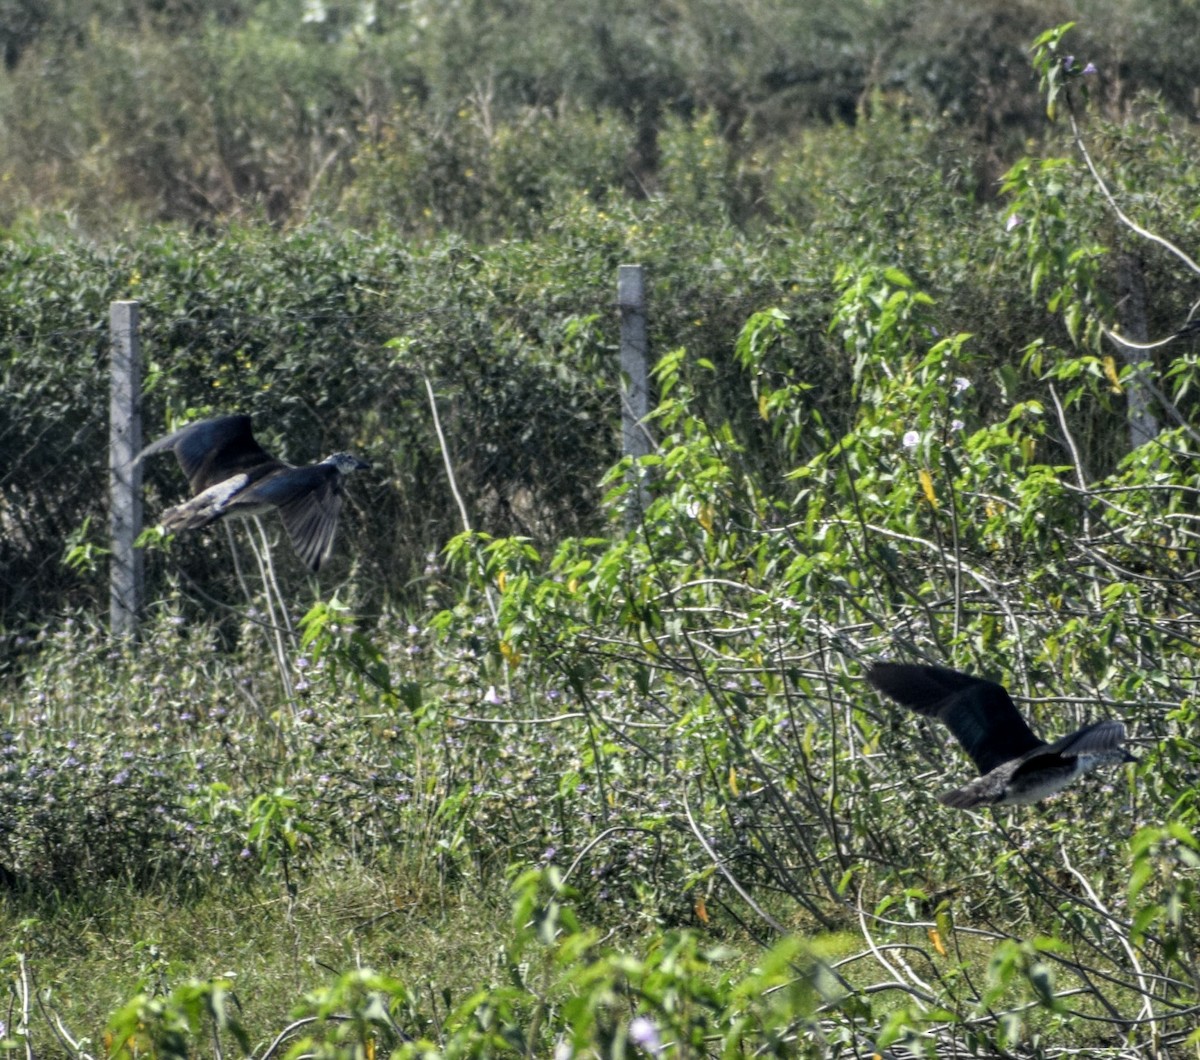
<point x="920" y="992"/>
<point x="237" y="562"/>
<point x="1081" y="477"/>
<point x="1076" y="459"/>
<point x="462" y="508"/>
<point x="276" y="641"/>
<point x="26" y="993"/>
<point x="437" y="426"/>
<point x="599" y="839"/>
<point x="1132" y="225"/>
<point x="985" y="584"/>
<point x="1130" y="952"/>
<point x="724" y="871"/>
<point x="271" y="579"/>
<point x="54" y="1020"/>
<point x="291" y="1029"/>
<point x="518" y="721"/>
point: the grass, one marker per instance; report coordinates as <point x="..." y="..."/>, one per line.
<point x="96" y="950"/>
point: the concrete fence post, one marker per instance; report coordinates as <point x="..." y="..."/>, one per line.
<point x="125" y="480"/>
<point x="635" y="372"/>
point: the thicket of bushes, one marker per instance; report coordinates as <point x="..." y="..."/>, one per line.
<point x="474" y="116"/>
<point x="327" y="336"/>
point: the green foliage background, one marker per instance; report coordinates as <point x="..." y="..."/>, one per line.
<point x="595" y="777"/>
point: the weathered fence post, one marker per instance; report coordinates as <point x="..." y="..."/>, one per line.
<point x="635" y="371"/>
<point x="1131" y="312"/>
<point x="125" y="480"/>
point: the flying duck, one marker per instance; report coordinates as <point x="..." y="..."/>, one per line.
<point x="1016" y="768"/>
<point x="231" y="474"/>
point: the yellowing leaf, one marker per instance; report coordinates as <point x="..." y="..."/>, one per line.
<point x="502" y="580"/>
<point x="936" y="939"/>
<point x="733" y="782"/>
<point x="705" y="517"/>
<point x="927" y="487"/>
<point x="1110" y="373"/>
<point x="511" y="655"/>
<point x="762" y="406"/>
<point x="573" y="585"/>
<point x="701" y="911"/>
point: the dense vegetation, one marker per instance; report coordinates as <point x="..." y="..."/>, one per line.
<point x="597" y="774"/>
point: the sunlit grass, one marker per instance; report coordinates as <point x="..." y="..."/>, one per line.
<point x="95" y="950"/>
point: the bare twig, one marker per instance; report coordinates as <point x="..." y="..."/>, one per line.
<point x="1123" y="217"/>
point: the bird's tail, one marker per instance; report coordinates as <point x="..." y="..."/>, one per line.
<point x="204" y="508"/>
<point x="191" y="515"/>
<point x="1100" y="738"/>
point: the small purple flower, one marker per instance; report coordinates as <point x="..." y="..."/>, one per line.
<point x="1090" y="69"/>
<point x="957" y="425"/>
<point x="911" y="439"/>
<point x="1015" y="220"/>
<point x="1068" y="62"/>
<point x="643" y="1033"/>
<point x="491" y="697"/>
<point x="960" y="384"/>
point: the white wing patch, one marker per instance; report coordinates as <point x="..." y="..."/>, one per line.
<point x="217" y="497"/>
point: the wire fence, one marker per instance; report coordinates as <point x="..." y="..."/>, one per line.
<point x="520" y="414"/>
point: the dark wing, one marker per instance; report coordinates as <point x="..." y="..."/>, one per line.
<point x="1096" y="738"/>
<point x="309" y="500"/>
<point x="210" y="451"/>
<point x="980" y="713"/>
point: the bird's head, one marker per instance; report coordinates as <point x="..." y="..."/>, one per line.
<point x="346" y="462"/>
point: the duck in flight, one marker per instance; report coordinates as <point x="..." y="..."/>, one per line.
<point x="230" y="474"/>
<point x="1016" y="768"/>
